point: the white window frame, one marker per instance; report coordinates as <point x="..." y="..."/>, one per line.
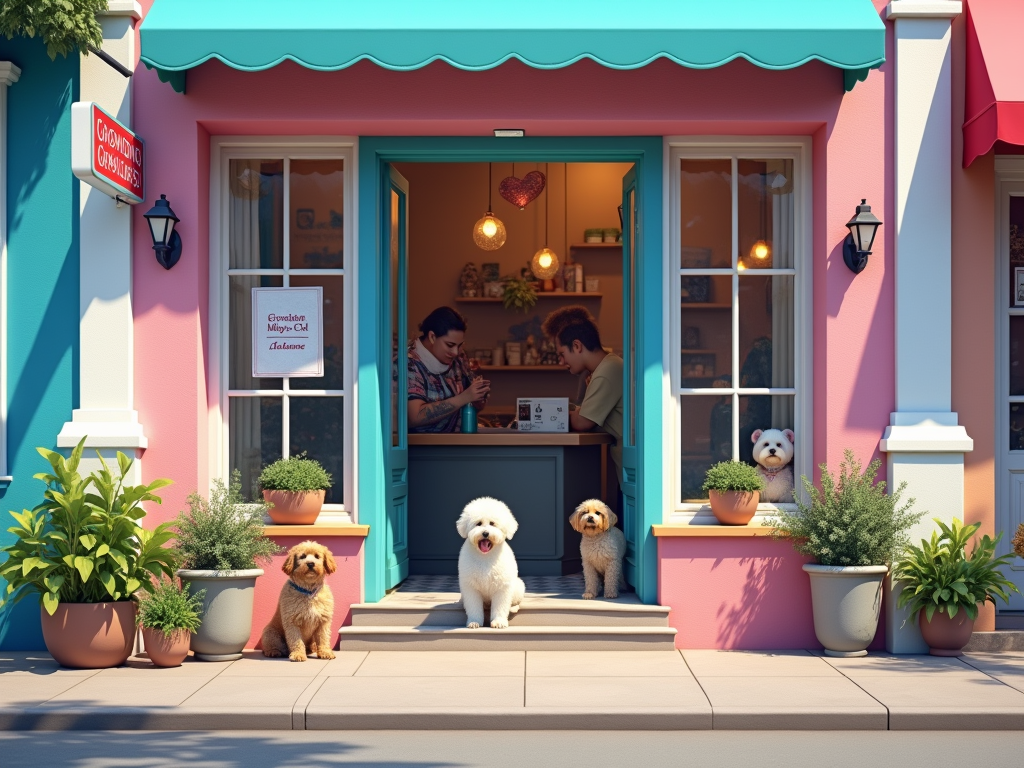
<point x="798" y="150"/>
<point x="224" y="149"/>
<point x="9" y="74"/>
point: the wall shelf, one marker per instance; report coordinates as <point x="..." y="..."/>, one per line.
<point x="593" y="246"/>
<point x="540" y="295"/>
<point x="696" y="305"/>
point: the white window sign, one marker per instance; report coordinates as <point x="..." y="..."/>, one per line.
<point x="287" y="332"/>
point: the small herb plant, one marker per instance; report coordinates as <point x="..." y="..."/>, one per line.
<point x="939" y="576"/>
<point x="297" y="474"/>
<point x="170" y="608"/>
<point x="519" y="294"/>
<point x="84" y="543"/>
<point x="852" y="521"/>
<point x="732" y="476"/>
<point x="224" y="533"/>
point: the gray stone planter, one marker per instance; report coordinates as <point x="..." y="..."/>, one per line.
<point x="227" y="612"/>
<point x="846" y="602"/>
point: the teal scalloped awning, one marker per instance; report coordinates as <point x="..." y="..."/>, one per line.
<point x="253" y="35"/>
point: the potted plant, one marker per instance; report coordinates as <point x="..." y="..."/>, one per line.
<point x="294" y="488"/>
<point x="852" y="529"/>
<point x="169" y="616"/>
<point x="943" y="586"/>
<point x="221" y="542"/>
<point x="519" y="294"/>
<point x="84" y="552"/>
<point x="734" y="488"/>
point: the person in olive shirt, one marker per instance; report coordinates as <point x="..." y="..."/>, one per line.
<point x="580" y="351"/>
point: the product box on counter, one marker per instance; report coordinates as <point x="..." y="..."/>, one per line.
<point x="543" y="414"/>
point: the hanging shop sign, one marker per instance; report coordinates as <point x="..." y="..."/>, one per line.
<point x="105" y="154"/>
<point x="287" y="332"/>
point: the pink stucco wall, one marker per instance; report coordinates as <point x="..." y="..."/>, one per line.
<point x="738" y="593"/>
<point x="853" y="348"/>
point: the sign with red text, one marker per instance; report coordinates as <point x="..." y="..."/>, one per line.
<point x="287" y="332"/>
<point x="105" y="154"/>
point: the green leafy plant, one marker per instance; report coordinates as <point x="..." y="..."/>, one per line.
<point x="84" y="542"/>
<point x="64" y="25"/>
<point x="732" y="476"/>
<point x="519" y="294"/>
<point x="224" y="533"/>
<point x="852" y="521"/>
<point x="170" y="608"/>
<point x="296" y="474"/>
<point x="939" y="576"/>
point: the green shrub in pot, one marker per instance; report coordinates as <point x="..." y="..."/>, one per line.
<point x="519" y="294"/>
<point x="734" y="490"/>
<point x="853" y="529"/>
<point x="84" y="552"/>
<point x="941" y="582"/>
<point x="168" y="617"/>
<point x="295" y="489"/>
<point x="222" y="543"/>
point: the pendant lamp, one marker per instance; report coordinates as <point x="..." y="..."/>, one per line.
<point x="761" y="250"/>
<point x="489" y="233"/>
<point x="545" y="261"/>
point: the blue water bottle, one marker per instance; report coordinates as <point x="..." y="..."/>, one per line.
<point x="468" y="419"/>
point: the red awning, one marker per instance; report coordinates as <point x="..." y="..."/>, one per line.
<point x="994" y="97"/>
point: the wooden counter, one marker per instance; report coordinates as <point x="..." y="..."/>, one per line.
<point x="511" y="437"/>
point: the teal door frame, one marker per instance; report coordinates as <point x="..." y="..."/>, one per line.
<point x="374" y="363"/>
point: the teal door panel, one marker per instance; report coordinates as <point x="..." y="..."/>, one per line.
<point x="628" y="481"/>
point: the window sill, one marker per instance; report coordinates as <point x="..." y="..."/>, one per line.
<point x="326" y="528"/>
<point x="712" y="530"/>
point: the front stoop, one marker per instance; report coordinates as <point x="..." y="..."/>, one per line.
<point x="999" y="641"/>
<point x="436" y="622"/>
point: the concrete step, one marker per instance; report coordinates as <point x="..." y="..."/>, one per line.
<point x="999" y="641"/>
<point x="442" y="609"/>
<point x="514" y="638"/>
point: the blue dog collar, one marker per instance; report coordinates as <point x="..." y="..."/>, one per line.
<point x="307" y="592"/>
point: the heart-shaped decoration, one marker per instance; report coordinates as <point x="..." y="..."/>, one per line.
<point x="522" y="192"/>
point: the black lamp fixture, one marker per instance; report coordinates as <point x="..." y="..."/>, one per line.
<point x="857" y="246"/>
<point x="166" y="241"/>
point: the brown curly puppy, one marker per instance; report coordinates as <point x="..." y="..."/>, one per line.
<point x="302" y="622"/>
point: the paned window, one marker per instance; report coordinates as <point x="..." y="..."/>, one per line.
<point x="285" y="225"/>
<point x="740" y="353"/>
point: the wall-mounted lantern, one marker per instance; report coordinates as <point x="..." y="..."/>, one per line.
<point x="857" y="246"/>
<point x="166" y="241"/>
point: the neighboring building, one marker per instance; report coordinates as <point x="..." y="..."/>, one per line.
<point x="354" y="158"/>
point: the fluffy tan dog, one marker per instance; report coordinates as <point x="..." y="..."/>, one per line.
<point x="302" y="622"/>
<point x="602" y="548"/>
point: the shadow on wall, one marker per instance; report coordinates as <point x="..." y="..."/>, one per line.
<point x="742" y="623"/>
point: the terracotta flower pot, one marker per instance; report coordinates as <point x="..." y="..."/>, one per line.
<point x="946" y="636"/>
<point x="294" y="507"/>
<point x="166" y="651"/>
<point x="90" y="635"/>
<point x="734" y="507"/>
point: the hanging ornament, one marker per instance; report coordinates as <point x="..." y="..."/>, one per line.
<point x="488" y="232"/>
<point x="544" y="264"/>
<point x="522" y="192"/>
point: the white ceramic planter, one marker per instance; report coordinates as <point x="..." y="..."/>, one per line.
<point x="227" y="612"/>
<point x="846" y="602"/>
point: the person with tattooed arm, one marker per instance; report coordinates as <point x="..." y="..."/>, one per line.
<point x="440" y="379"/>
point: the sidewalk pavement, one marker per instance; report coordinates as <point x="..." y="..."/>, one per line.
<point x="587" y="690"/>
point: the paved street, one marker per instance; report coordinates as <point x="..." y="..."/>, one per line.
<point x="517" y="690"/>
<point x="468" y="749"/>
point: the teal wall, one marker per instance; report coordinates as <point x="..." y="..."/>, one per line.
<point x="42" y="288"/>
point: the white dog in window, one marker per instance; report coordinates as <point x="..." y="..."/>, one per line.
<point x="487" y="568"/>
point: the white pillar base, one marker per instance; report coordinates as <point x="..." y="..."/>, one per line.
<point x="106" y="431"/>
<point x="926" y="451"/>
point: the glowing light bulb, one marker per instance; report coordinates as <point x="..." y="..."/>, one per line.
<point x="489" y="233"/>
<point x="760" y="250"/>
<point x="544" y="264"/>
<point x="741" y="267"/>
<point x="544" y="260"/>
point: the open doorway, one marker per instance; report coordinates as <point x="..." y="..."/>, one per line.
<point x="578" y="216"/>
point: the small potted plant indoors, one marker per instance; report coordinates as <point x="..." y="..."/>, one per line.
<point x="852" y="529"/>
<point x="168" y="617"/>
<point x="294" y="488"/>
<point x="519" y="294"/>
<point x="734" y="488"/>
<point x="943" y="586"/>
<point x="222" y="544"/>
<point x="85" y="553"/>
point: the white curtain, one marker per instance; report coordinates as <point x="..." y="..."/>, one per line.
<point x="783" y="338"/>
<point x="244" y="438"/>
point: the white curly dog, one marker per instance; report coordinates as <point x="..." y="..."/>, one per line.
<point x="487" y="568"/>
